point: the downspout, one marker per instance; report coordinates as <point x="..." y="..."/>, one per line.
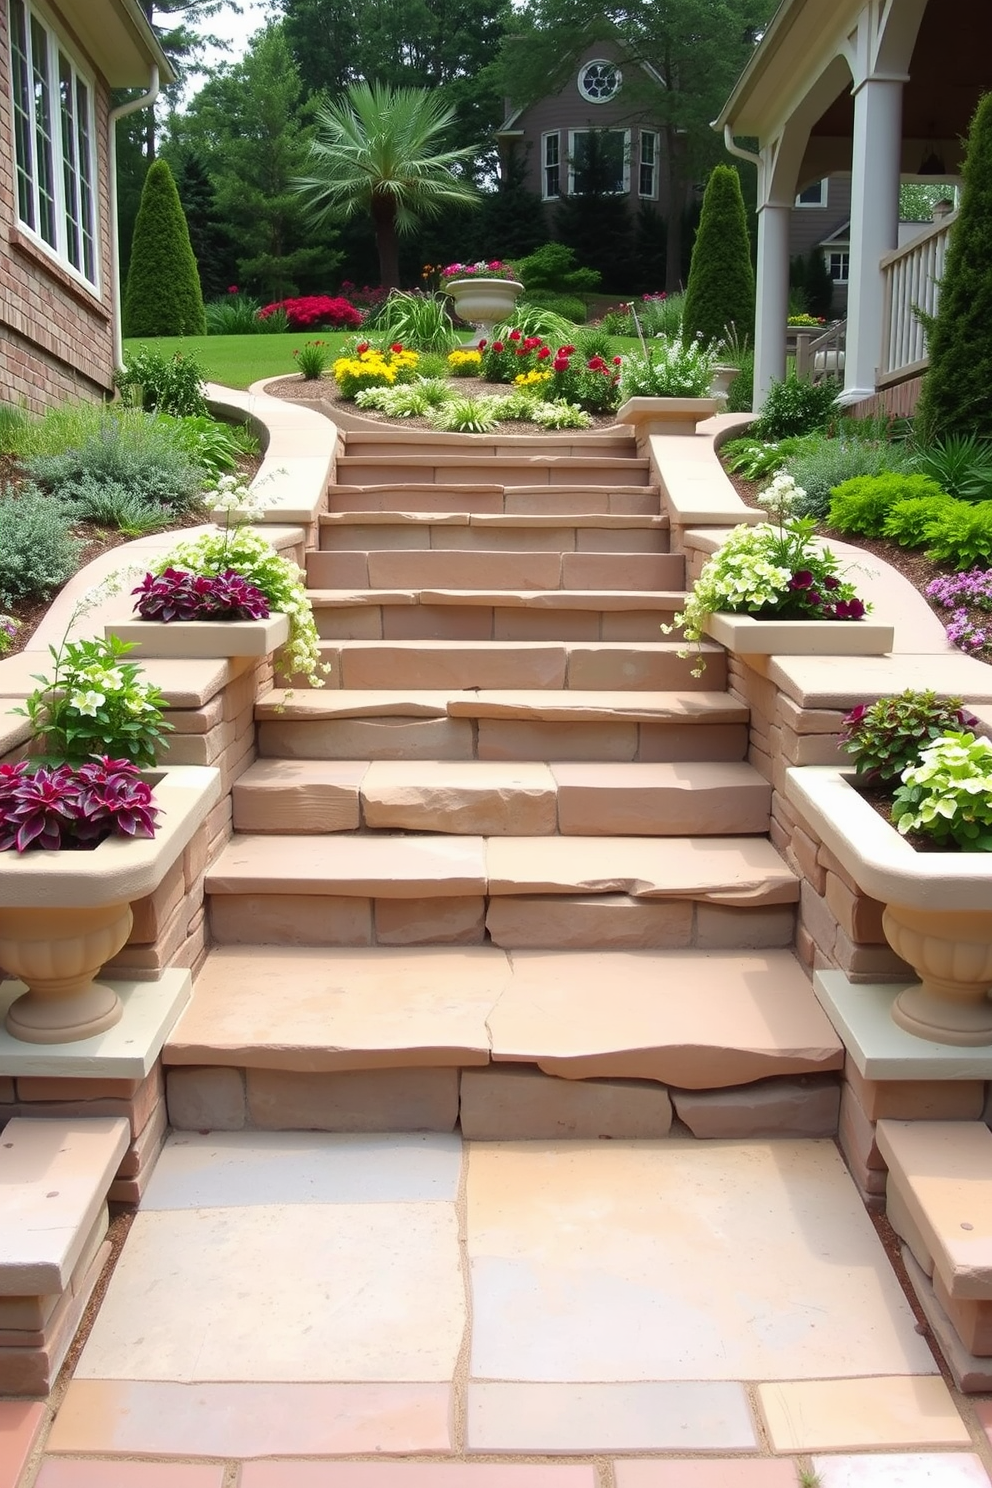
<point x="120" y="112"/>
<point x="732" y="149"/>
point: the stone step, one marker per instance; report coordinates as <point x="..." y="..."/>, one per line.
<point x="536" y="724"/>
<point x="513" y="468"/>
<point x="502" y="799"/>
<point x="627" y="495"/>
<point x="939" y="1199"/>
<point x="493" y="614"/>
<point x="458" y="568"/>
<point x="375" y="1038"/>
<point x="653" y="666"/>
<point x="426" y="443"/>
<point x="55" y="1176"/>
<point x="595" y="532"/>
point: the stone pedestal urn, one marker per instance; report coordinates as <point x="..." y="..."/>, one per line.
<point x="951" y="953"/>
<point x="57" y="953"/>
<point x="484" y="302"/>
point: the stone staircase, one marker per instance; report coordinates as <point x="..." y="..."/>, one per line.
<point x="513" y="836"/>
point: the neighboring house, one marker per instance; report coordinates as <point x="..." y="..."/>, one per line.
<point x="883" y="92"/>
<point x="550" y="139"/>
<point x="821" y="217"/>
<point x="59" y="296"/>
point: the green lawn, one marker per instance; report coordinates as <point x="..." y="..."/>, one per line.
<point x="238" y="361"/>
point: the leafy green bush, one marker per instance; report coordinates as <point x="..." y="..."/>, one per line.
<point x="169" y="384"/>
<point x="887" y="736"/>
<point x="593" y="341"/>
<point x="536" y="320"/>
<point x="113" y="504"/>
<point x="433" y="365"/>
<point x="671" y="369"/>
<point x="719" y="297"/>
<point x="126" y="449"/>
<point x="754" y="459"/>
<point x="961" y="464"/>
<point x="570" y="307"/>
<point x="963" y="536"/>
<point x="234" y="315"/>
<point x="552" y="267"/>
<point x="406" y="399"/>
<point x="862" y="504"/>
<point x="420" y="321"/>
<point x="911" y="523"/>
<point x="37" y="550"/>
<point x="211" y="444"/>
<point x="740" y="394"/>
<point x="162" y="296"/>
<point x="467" y="415"/>
<point x="819" y="465"/>
<point x="948" y="795"/>
<point x="794" y="406"/>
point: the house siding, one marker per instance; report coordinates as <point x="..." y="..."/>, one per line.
<point x="56" y="336"/>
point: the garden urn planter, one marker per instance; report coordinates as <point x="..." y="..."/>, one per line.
<point x="650" y="416"/>
<point x="484" y="302"/>
<point x="938" y="907"/>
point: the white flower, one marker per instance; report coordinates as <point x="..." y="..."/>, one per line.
<point x="111" y="679"/>
<point x="87" y="703"/>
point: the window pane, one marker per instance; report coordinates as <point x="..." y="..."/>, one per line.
<point x="43" y="131"/>
<point x="646" y="182"/>
<point x="70" y="170"/>
<point x="552" y="175"/>
<point x="21" y="88"/>
<point x="598" y="161"/>
<point x="87" y="197"/>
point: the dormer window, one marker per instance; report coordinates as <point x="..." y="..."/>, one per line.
<point x="599" y="80"/>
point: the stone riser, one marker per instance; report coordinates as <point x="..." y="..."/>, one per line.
<point x="605" y="922"/>
<point x="498" y="739"/>
<point x="561" y="501"/>
<point x="479" y="622"/>
<point x="423" y="446"/>
<point x="563" y="538"/>
<point x="495" y="1103"/>
<point x="458" y="568"/>
<point x="506" y="469"/>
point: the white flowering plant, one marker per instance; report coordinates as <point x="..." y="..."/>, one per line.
<point x="770" y="571"/>
<point x="237" y="548"/>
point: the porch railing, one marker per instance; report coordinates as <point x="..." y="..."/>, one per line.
<point x="911" y="278"/>
<point x="821" y="354"/>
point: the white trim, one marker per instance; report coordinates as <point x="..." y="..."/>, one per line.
<point x="573" y="135"/>
<point x="546" y="165"/>
<point x="603" y="62"/>
<point x="83" y="137"/>
<point x="643" y="164"/>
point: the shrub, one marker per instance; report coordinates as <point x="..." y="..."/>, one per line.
<point x="719" y="296"/>
<point x="552" y="267"/>
<point x="559" y="414"/>
<point x="129" y="450"/>
<point x="910" y="523"/>
<point x="963" y="535"/>
<point x="467" y="415"/>
<point x="113" y="504"/>
<point x="12" y="426"/>
<point x="955" y="395"/>
<point x="594" y="341"/>
<point x="315" y="313"/>
<point x="235" y="315"/>
<point x="162" y="296"/>
<point x="755" y="459"/>
<point x="536" y="320"/>
<point x="369" y="367"/>
<point x="948" y="795"/>
<point x="591" y="383"/>
<point x="861" y="505"/>
<point x="432" y="366"/>
<point x="793" y="406"/>
<point x="569" y="307"/>
<point x="211" y="444"/>
<point x="961" y="464"/>
<point x="887" y="736"/>
<point x="819" y="465"/>
<point x="37" y="551"/>
<point x="671" y="369"/>
<point x="420" y="321"/>
<point x="406" y="399"/>
<point x="312" y="359"/>
<point x="740" y="394"/>
<point x="169" y="384"/>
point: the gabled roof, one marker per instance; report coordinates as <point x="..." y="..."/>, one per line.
<point x="117" y="36"/>
<point x="515" y="115"/>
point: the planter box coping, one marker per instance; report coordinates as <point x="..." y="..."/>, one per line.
<point x="756" y="636"/>
<point x="121" y="869"/>
<point x="861" y="1013"/>
<point x="186" y="682"/>
<point x="199" y="639"/>
<point x="286" y="428"/>
<point x="127" y="1051"/>
<point x="881" y="862"/>
<point x="826" y="682"/>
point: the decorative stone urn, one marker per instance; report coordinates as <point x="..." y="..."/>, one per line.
<point x="65" y="914"/>
<point x="938" y="907"/>
<point x="484" y="302"/>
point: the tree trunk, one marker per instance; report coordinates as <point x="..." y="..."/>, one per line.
<point x="386" y="241"/>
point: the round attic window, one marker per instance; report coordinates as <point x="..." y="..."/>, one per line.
<point x="599" y="81"/>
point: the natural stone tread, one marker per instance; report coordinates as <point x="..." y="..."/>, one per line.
<point x="570" y="705"/>
<point x="699" y="1020"/>
<point x="942" y="1171"/>
<point x="616" y="521"/>
<point x="507" y="599"/>
<point x="390" y="867"/>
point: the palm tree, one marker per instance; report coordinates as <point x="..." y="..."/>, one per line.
<point x="377" y="153"/>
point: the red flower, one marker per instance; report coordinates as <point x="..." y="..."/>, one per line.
<point x="544" y="352"/>
<point x="618" y="361"/>
<point x="515" y="336"/>
<point x="362" y="346"/>
<point x="397" y="347"/>
<point x="596" y="364"/>
<point x="560" y="363"/>
<point x="483" y="344"/>
<point x="531" y="341"/>
<point x="498" y="346"/>
<point x="566" y="351"/>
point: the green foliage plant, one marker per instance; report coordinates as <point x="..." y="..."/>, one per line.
<point x="795" y="406"/>
<point x="862" y="504"/>
<point x="740" y="394"/>
<point x="553" y="268"/>
<point x="819" y="464"/>
<point x="234" y="315"/>
<point x="38" y="552"/>
<point x="94" y="702"/>
<point x="152" y="381"/>
<point x="211" y="444"/>
<point x="433" y="367"/>
<point x="911" y="523"/>
<point x="420" y="321"/>
<point x="947" y="796"/>
<point x="961" y="464"/>
<point x="719" y="296"/>
<point x="885" y="737"/>
<point x="467" y="415"/>
<point x="113" y="504"/>
<point x="669" y="369"/>
<point x="558" y="413"/>
<point x="12" y="425"/>
<point x="406" y="399"/>
<point x="569" y="307"/>
<point x="754" y="459"/>
<point x="962" y="537"/>
<point x="128" y="450"/>
<point x="162" y="296"/>
<point x="536" y="320"/>
<point x="955" y="395"/>
<point x="312" y="359"/>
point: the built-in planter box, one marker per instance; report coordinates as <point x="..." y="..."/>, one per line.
<point x="746" y="635"/>
<point x="649" y="416"/>
<point x="938" y="906"/>
<point x="64" y="914"/>
<point x="203" y="639"/>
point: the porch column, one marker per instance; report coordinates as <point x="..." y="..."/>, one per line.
<point x="874" y="224"/>
<point x="772" y="297"/>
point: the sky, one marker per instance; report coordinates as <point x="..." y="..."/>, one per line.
<point x="236" y="29"/>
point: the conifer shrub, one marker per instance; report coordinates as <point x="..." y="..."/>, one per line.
<point x="719" y="297"/>
<point x="162" y="296"/>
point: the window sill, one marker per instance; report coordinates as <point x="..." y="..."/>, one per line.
<point x="23" y="245"/>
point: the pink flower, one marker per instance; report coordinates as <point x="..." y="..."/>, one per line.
<point x="232" y="289"/>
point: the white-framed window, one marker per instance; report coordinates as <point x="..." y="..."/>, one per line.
<point x="838" y="264"/>
<point x="647" y="182"/>
<point x="813" y="196"/>
<point x="599" y="81"/>
<point x="54" y="143"/>
<point x="551" y="156"/>
<point x="601" y="154"/>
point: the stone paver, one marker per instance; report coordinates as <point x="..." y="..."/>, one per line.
<point x="71" y="1472"/>
<point x="843" y="1414"/>
<point x="416" y="1475"/>
<point x="900" y="1470"/>
<point x="723" y="1472"/>
<point x="672" y="1261"/>
<point x="20" y="1423"/>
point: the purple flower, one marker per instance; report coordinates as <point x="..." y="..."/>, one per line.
<point x="73" y="805"/>
<point x="178" y="595"/>
<point x="803" y="579"/>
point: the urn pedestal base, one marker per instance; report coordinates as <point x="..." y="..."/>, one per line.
<point x="952" y="954"/>
<point x="57" y="953"/>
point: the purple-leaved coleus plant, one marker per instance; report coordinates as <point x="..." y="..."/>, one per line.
<point x="176" y="594"/>
<point x="73" y="806"/>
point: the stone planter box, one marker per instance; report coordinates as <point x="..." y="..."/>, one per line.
<point x="938" y="906"/>
<point x="198" y="639"/>
<point x="746" y="635"/>
<point x="665" y="415"/>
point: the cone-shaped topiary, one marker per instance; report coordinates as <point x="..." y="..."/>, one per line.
<point x="162" y="296"/>
<point x="720" y="291"/>
<point x="957" y="390"/>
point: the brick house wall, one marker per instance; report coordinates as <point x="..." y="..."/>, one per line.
<point x="56" y="335"/>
